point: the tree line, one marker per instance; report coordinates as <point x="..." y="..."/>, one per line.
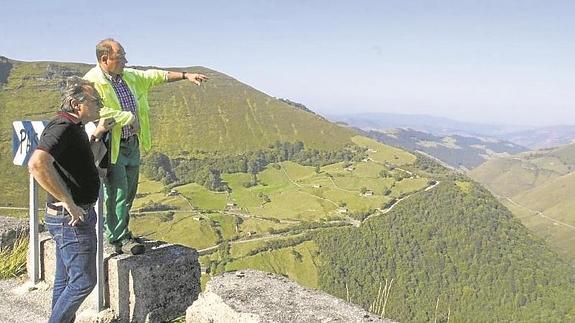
<point x="208" y="171"/>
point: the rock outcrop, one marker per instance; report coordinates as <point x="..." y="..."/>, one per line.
<point x="10" y="230"/>
<point x="5" y="68"/>
<point x="253" y="296"/>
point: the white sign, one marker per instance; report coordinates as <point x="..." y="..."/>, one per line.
<point x="26" y="136"/>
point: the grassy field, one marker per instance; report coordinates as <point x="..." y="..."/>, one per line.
<point x="559" y="236"/>
<point x="240" y="250"/>
<point x="294" y="192"/>
<point x="283" y="198"/>
<point x="298" y="263"/>
<point x="186" y="229"/>
<point x="382" y="153"/>
<point x="226" y="225"/>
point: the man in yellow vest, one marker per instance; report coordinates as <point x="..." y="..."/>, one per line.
<point x="124" y="92"/>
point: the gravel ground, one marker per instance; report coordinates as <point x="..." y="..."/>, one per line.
<point x="20" y="303"/>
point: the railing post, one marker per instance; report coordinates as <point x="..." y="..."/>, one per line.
<point x="34" y="246"/>
<point x="100" y="252"/>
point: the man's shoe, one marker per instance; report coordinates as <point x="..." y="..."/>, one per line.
<point x="140" y="240"/>
<point x="130" y="246"/>
<point x="115" y="248"/>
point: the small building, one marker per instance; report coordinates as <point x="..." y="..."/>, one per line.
<point x="231" y="206"/>
<point x="350" y="168"/>
<point x="367" y="193"/>
<point x="173" y="193"/>
<point x="316" y="185"/>
<point x="342" y="210"/>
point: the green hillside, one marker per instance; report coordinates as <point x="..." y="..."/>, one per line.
<point x="222" y="117"/>
<point x="227" y="116"/>
<point x="538" y="188"/>
<point x="450" y="254"/>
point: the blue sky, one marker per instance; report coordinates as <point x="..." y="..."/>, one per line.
<point x="486" y="61"/>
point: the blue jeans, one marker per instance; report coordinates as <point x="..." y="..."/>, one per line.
<point x="75" y="263"/>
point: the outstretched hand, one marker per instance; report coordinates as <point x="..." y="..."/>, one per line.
<point x="196" y="78"/>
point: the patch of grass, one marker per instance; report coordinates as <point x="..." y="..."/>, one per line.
<point x="368" y="169"/>
<point x="463" y="186"/>
<point x="355" y="202"/>
<point x="181" y="319"/>
<point x="239" y="250"/>
<point x="297" y="172"/>
<point x="185" y="228"/>
<point x="202" y="198"/>
<point x="383" y="153"/>
<point x="227" y="225"/>
<point x="260" y="226"/>
<point x="13" y="261"/>
<point x="409" y="185"/>
<point x="282" y="206"/>
<point x="298" y="263"/>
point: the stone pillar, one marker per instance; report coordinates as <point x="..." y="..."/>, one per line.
<point x="153" y="287"/>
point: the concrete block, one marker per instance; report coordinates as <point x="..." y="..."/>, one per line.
<point x="154" y="287"/>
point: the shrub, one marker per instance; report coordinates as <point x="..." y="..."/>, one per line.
<point x="13" y="261"/>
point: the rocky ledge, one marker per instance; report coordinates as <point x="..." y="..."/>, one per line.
<point x="253" y="296"/>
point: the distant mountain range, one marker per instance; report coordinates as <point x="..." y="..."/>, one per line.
<point x="460" y="152"/>
<point x="528" y="136"/>
<point x="544" y="137"/>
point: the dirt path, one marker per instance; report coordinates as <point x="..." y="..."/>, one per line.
<point x="401" y="199"/>
<point x="539" y="213"/>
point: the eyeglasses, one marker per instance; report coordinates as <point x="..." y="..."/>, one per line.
<point x="98" y="100"/>
<point x="118" y="57"/>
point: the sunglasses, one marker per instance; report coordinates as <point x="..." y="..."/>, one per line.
<point x="98" y="100"/>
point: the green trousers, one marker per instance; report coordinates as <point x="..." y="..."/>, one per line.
<point x="120" y="189"/>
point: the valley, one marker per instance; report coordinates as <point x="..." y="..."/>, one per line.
<point x="251" y="181"/>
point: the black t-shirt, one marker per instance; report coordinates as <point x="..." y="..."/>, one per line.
<point x="66" y="140"/>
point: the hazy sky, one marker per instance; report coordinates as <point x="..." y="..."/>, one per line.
<point x="488" y="61"/>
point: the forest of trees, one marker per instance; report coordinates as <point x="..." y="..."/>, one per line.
<point x="445" y="255"/>
<point x="207" y="171"/>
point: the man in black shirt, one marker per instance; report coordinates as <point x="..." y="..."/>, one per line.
<point x="63" y="164"/>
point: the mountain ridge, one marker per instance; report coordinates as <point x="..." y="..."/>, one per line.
<point x="534" y="137"/>
<point x="458" y="151"/>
